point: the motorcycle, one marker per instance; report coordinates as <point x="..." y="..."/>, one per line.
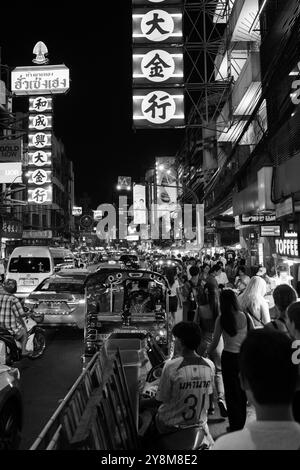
<point x="11" y="349"/>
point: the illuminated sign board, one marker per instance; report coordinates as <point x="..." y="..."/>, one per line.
<point x="40" y="122"/>
<point x="97" y="215"/>
<point x="152" y="26"/>
<point x="76" y="210"/>
<point x="157" y="66"/>
<point x="37" y="80"/>
<point x="288" y="245"/>
<point x="166" y="183"/>
<point x="158" y="108"/>
<point x="39" y="140"/>
<point x="11" y="150"/>
<point x="39" y="176"/>
<point x="139" y="204"/>
<point x="40" y="195"/>
<point x="39" y="158"/>
<point x="270" y="230"/>
<point x="257" y="218"/>
<point x="11" y="172"/>
<point x="40" y="104"/>
<point x="124" y="182"/>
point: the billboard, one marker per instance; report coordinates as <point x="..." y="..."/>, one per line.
<point x="158" y="108"/>
<point x="11" y="172"/>
<point x="166" y="183"/>
<point x="139" y="204"/>
<point x="157" y="66"/>
<point x="11" y="150"/>
<point x="36" y="80"/>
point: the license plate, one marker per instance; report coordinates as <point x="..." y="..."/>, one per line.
<point x="54" y="306"/>
<point x="28" y="282"/>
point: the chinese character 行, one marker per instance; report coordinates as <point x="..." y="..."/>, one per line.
<point x="155" y="105"/>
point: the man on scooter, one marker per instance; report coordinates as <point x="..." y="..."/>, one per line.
<point x="11" y="314"/>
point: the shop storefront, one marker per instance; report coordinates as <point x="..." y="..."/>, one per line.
<point x="287" y="259"/>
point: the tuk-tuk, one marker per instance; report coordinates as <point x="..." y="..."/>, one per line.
<point x="128" y="301"/>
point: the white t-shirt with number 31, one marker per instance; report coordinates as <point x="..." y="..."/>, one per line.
<point x="184" y="389"/>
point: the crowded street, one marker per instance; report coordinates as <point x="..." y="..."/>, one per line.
<point x="149" y="229"/>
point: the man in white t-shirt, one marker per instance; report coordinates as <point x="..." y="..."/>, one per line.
<point x="185" y="384"/>
<point x="269" y="377"/>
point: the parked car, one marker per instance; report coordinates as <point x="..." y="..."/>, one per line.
<point x="11" y="409"/>
<point x="60" y="299"/>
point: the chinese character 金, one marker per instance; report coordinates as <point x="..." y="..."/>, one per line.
<point x="157" y="66"/>
<point x="39" y="177"/>
<point x="155" y="25"/>
<point x="154" y="106"/>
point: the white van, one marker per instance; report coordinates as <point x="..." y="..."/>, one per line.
<point x="30" y="265"/>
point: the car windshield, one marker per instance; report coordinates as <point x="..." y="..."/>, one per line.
<point x="29" y="265"/>
<point x="64" y="285"/>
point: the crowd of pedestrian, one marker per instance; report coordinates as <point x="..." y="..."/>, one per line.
<point x="248" y="348"/>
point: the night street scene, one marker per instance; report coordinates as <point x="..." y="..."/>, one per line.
<point x="149" y="228"/>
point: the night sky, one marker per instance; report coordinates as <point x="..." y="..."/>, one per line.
<point x="94" y="118"/>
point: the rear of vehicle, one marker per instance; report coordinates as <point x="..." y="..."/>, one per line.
<point x="29" y="266"/>
<point x="60" y="300"/>
<point x="62" y="258"/>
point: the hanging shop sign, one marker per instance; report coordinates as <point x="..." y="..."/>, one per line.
<point x="39" y="177"/>
<point x="285" y="208"/>
<point x="40" y="122"/>
<point x="157" y="66"/>
<point x="158" y="108"/>
<point x="36" y="80"/>
<point x="257" y="218"/>
<point x="270" y="230"/>
<point x="159" y="25"/>
<point x="39" y="140"/>
<point x="11" y="150"/>
<point x="39" y="158"/>
<point x="40" y="195"/>
<point x="40" y="104"/>
<point x="288" y="245"/>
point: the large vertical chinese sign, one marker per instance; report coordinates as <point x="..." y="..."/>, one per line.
<point x="158" y="93"/>
<point x="39" y="83"/>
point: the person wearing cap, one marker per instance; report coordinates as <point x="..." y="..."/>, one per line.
<point x="11" y="314"/>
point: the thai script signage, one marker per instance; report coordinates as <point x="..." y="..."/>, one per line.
<point x="36" y="80"/>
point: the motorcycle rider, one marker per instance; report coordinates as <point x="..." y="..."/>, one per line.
<point x="11" y="314"/>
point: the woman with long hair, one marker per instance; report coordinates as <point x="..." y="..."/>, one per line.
<point x="174" y="296"/>
<point x="252" y="301"/>
<point x="206" y="316"/>
<point x="232" y="325"/>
